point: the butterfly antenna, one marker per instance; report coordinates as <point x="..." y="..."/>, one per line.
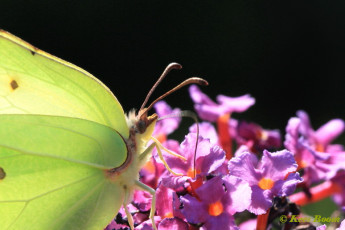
<point x="192" y="115"/>
<point x="170" y="67"/>
<point x="192" y="80"/>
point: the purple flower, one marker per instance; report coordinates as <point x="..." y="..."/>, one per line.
<point x="313" y="149"/>
<point x="272" y="176"/>
<point x="322" y="137"/>
<point x="213" y="209"/>
<point x="210" y="111"/>
<point x="209" y="157"/>
<point x="254" y="136"/>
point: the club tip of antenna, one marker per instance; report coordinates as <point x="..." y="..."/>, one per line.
<point x="203" y="82"/>
<point x="197" y="80"/>
<point x="174" y="65"/>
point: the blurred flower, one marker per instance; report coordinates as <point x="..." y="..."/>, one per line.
<point x="249" y="224"/>
<point x="168" y="125"/>
<point x="322" y="227"/>
<point x="312" y="149"/>
<point x="255" y="137"/>
<point x="206" y="130"/>
<point x="339" y="197"/>
<point x="210" y="111"/>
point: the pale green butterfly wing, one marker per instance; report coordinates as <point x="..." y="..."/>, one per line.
<point x="35" y="82"/>
<point x="53" y="164"/>
<point x="52" y="173"/>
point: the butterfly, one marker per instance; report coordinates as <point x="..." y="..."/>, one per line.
<point x="69" y="156"/>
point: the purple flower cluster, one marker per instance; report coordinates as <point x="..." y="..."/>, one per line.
<point x="242" y="188"/>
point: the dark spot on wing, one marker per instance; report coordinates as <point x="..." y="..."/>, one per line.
<point x="14" y="85"/>
<point x="32" y="52"/>
<point x="2" y="173"/>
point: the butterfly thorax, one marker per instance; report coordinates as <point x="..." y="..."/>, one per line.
<point x="140" y="132"/>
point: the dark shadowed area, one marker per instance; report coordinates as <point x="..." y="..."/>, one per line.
<point x="289" y="55"/>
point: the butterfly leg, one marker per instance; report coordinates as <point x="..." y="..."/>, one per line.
<point x="150" y="190"/>
<point x="128" y="214"/>
<point x="159" y="146"/>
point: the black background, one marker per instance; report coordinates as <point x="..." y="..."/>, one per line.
<point x="289" y="55"/>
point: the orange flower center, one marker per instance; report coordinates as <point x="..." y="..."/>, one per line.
<point x="168" y="215"/>
<point x="190" y="172"/>
<point x="215" y="209"/>
<point x="319" y="147"/>
<point x="266" y="183"/>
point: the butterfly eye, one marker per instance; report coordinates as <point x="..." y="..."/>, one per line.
<point x="141" y="126"/>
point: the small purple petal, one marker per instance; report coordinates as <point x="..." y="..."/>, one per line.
<point x="241" y="150"/>
<point x="225" y="220"/>
<point x="288" y="186"/>
<point x="142" y="200"/>
<point x="147" y="225"/>
<point x="114" y="225"/>
<point x="164" y="204"/>
<point x="209" y="157"/>
<point x="291" y="137"/>
<point x="216" y="186"/>
<point x="239" y="192"/>
<point x="260" y="201"/>
<point x="322" y="227"/>
<point x="243" y="166"/>
<point x="249" y="224"/>
<point x="236" y="104"/>
<point x="260" y="138"/>
<point x="172" y="224"/>
<point x="206" y="130"/>
<point x="329" y="131"/>
<point x="176" y="183"/>
<point x="190" y="205"/>
<point x="306" y="129"/>
<point x="211" y="162"/>
<point x="168" y="125"/>
<point x="210" y="111"/>
<point x="199" y="97"/>
<point x="278" y="164"/>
